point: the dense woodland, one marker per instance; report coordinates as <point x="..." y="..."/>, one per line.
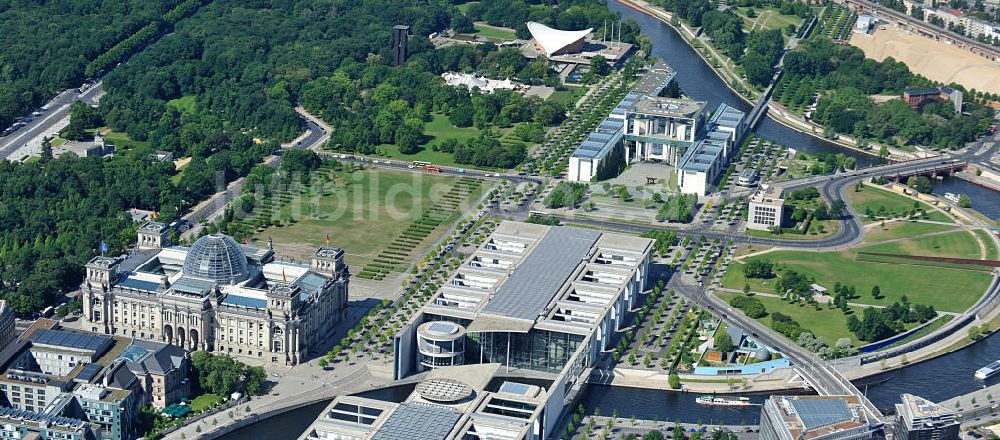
<point x="239" y="68"/>
<point x="246" y="69"/>
<point x="47" y="45"/>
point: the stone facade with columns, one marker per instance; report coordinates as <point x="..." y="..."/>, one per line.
<point x="219" y="296"/>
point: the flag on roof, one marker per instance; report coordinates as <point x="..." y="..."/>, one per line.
<point x="104" y="247"/>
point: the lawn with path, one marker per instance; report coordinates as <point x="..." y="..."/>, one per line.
<point x="992" y="253"/>
<point x="817" y="322"/>
<point x="767" y="18"/>
<point x="958" y="244"/>
<point x="873" y="199"/>
<point x="951" y="290"/>
<point x="436" y="131"/>
<point x="892" y="230"/>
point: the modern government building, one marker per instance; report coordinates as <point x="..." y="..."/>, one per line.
<point x="505" y="344"/>
<point x="217" y="295"/>
<point x="678" y="132"/>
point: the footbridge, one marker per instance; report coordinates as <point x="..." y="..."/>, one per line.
<point x="810" y="370"/>
<point x="934" y="166"/>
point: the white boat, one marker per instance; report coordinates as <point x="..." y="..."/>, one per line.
<point x="988" y="371"/>
<point x="952" y="197"/>
<point x="723" y="401"/>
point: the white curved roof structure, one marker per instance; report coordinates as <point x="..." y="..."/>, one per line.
<point x="554" y="40"/>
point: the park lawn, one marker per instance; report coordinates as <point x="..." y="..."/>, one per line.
<point x="767" y="18"/>
<point x="874" y="198"/>
<point x="495" y="32"/>
<point x="992" y="253"/>
<point x="184" y="104"/>
<point x="121" y="140"/>
<point x="950" y="290"/>
<point x="436" y="131"/>
<point x="830" y="228"/>
<point x="901" y="229"/>
<point x="464" y="7"/>
<point x="363" y="214"/>
<point x="204" y="401"/>
<point x="568" y="96"/>
<point x="959" y="244"/>
<point x="58" y="141"/>
<point x="831" y="324"/>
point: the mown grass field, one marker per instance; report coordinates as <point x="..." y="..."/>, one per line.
<point x="952" y="290"/>
<point x="493" y="32"/>
<point x="568" y="96"/>
<point x="818" y="322"/>
<point x="184" y="104"/>
<point x="362" y="213"/>
<point x="875" y="198"/>
<point x="767" y="18"/>
<point x="900" y="229"/>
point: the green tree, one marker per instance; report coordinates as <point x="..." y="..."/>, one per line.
<point x="674" y="380"/>
<point x="724" y="343"/>
<point x="599" y="65"/>
<point x="964" y="201"/>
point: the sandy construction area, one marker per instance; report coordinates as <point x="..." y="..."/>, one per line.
<point x="935" y="60"/>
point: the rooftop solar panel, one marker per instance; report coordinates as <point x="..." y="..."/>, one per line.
<point x="416" y="420"/>
<point x="244" y="301"/>
<point x="133" y="283"/>
<point x="89" y="372"/>
<point x="533" y="283"/>
<point x="81" y="341"/>
<point x="514" y="388"/>
<point x="815" y="413"/>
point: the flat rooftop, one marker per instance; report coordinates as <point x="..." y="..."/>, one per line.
<point x="530" y="287"/>
<point x="768" y="194"/>
<point x="808" y="417"/>
<point x="701" y="156"/>
<point x="526" y="275"/>
<point x="916" y="407"/>
<point x="668" y="107"/>
<point x="655" y="79"/>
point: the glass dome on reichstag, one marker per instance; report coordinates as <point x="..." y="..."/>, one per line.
<point x="217" y="257"/>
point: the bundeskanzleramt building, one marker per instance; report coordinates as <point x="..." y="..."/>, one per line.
<point x="766" y="208"/>
<point x="217" y="295"/>
<point x="817" y="418"/>
<point x="645" y="127"/>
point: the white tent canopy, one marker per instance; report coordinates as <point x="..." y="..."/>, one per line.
<point x="553" y="40"/>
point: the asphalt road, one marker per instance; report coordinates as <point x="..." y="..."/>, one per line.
<point x="58" y="110"/>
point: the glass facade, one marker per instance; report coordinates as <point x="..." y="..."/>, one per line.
<point x="538" y="350"/>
